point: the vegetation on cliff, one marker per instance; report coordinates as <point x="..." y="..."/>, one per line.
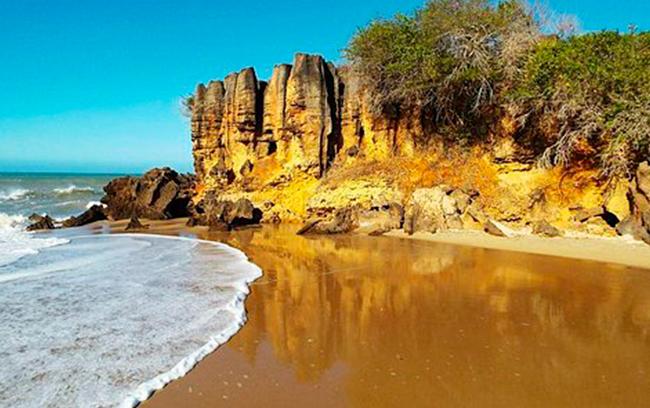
<point x="588" y="96"/>
<point x="465" y="64"/>
<point x="451" y="57"/>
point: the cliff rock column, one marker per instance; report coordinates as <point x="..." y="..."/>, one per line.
<point x="310" y="115"/>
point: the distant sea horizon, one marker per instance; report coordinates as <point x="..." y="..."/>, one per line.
<point x="57" y="194"/>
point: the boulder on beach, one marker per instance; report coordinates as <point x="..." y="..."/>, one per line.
<point x="343" y="220"/>
<point x="135" y="224"/>
<point x="439" y="208"/>
<point x="638" y="223"/>
<point x="493" y="228"/>
<point x="93" y="214"/>
<point x="544" y="228"/>
<point x="159" y="194"/>
<point x="224" y="215"/>
<point x="40" y="222"/>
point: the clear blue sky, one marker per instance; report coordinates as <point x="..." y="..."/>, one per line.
<point x="94" y="85"/>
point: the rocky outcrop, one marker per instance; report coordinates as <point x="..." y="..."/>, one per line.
<point x="308" y="146"/>
<point x="224" y="215"/>
<point x="341" y="221"/>
<point x="360" y="207"/>
<point x="312" y="112"/>
<point x="545" y="229"/>
<point x="93" y="214"/>
<point x="135" y="225"/>
<point x="159" y="194"/>
<point x="304" y="116"/>
<point x="638" y="223"/>
<point x="439" y="208"/>
<point x="40" y="222"/>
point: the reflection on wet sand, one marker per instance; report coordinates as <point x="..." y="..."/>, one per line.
<point x="383" y="322"/>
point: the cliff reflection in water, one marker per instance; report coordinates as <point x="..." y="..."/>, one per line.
<point x="399" y="322"/>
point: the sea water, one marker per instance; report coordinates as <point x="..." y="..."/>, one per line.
<point x="104" y="320"/>
<point x="57" y="195"/>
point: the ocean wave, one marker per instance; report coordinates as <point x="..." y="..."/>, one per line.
<point x="142" y="329"/>
<point x="11" y="222"/>
<point x="15" y="243"/>
<point x="73" y="189"/>
<point x="14" y="194"/>
<point x="248" y="273"/>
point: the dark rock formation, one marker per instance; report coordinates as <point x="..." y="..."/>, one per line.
<point x="93" y="214"/>
<point x="224" y="215"/>
<point x="40" y="222"/>
<point x="135" y="224"/>
<point x="159" y="194"/>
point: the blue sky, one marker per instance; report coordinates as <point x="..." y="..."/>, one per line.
<point x="94" y="85"/>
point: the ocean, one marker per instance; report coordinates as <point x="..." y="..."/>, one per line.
<point x="58" y="195"/>
<point x="101" y="320"/>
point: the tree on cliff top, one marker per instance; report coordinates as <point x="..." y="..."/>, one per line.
<point x="450" y="57"/>
<point x="587" y="98"/>
<point x="462" y="64"/>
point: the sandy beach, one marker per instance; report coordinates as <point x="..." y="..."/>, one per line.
<point x="614" y="250"/>
<point x="334" y="321"/>
<point x="623" y="251"/>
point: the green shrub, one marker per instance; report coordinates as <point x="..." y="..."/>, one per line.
<point x="588" y="97"/>
<point x="462" y="63"/>
<point x="187" y="105"/>
<point x="450" y="57"/>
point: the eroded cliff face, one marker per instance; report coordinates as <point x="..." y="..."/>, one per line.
<point x="304" y="145"/>
<point x="303" y="117"/>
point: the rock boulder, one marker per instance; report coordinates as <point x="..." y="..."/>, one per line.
<point x="40" y="222"/>
<point x="545" y="229"/>
<point x="342" y="220"/>
<point x="493" y="228"/>
<point x="638" y="224"/>
<point x="159" y="194"/>
<point x="93" y="214"/>
<point x="135" y="224"/>
<point x="225" y="215"/>
<point x="437" y="209"/>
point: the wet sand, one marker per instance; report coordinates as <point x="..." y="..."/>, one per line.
<point x="383" y="322"/>
<point x="616" y="250"/>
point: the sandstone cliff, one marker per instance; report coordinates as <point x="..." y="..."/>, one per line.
<point x="305" y="146"/>
<point x="303" y="116"/>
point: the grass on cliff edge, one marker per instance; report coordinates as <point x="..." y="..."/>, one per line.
<point x="577" y="100"/>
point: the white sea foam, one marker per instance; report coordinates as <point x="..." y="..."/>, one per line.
<point x="15" y="243"/>
<point x="107" y="320"/>
<point x="14" y="194"/>
<point x="93" y="203"/>
<point x="71" y="189"/>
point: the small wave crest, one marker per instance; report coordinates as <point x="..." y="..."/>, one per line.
<point x="73" y="189"/>
<point x="94" y="203"/>
<point x="11" y="222"/>
<point x="14" y="194"/>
